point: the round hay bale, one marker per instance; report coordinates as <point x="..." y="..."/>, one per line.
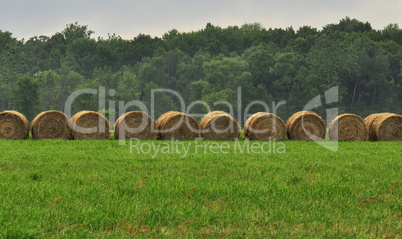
<point x="175" y="125"/>
<point x="90" y="125"/>
<point x="264" y="126"/>
<point x="219" y="125"/>
<point x="13" y="125"/>
<point x="369" y="125"/>
<point x="51" y="125"/>
<point x="385" y="127"/>
<point x="134" y="125"/>
<point x="305" y="125"/>
<point x="348" y="127"/>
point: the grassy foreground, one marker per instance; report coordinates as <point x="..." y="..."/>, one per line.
<point x="97" y="189"/>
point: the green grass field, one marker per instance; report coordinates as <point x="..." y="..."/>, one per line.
<point x="97" y="189"/>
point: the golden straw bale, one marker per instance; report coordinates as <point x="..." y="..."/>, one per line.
<point x="384" y="127"/>
<point x="13" y="125"/>
<point x="264" y="126"/>
<point x="51" y="125"/>
<point x="369" y="124"/>
<point x="175" y="125"/>
<point x="219" y="125"/>
<point x="90" y="125"/>
<point x="134" y="125"/>
<point x="348" y="127"/>
<point x="305" y="125"/>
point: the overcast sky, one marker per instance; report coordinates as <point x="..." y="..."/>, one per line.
<point x="28" y="18"/>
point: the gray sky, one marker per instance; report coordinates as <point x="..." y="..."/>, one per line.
<point x="28" y="18"/>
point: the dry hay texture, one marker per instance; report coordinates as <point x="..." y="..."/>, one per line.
<point x="93" y="125"/>
<point x="305" y="125"/>
<point x="264" y="126"/>
<point x="219" y="125"/>
<point x="51" y="125"/>
<point x="13" y="125"/>
<point x="348" y="127"/>
<point x="384" y="127"/>
<point x="134" y="125"/>
<point x="175" y="125"/>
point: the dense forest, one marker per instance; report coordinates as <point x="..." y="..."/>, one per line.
<point x="270" y="65"/>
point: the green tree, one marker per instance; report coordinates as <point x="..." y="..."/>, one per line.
<point x="11" y="68"/>
<point x="348" y="25"/>
<point x="49" y="88"/>
<point x="269" y="65"/>
<point x="393" y="32"/>
<point x="25" y="97"/>
<point x="74" y="31"/>
<point x="6" y="40"/>
<point x="129" y="87"/>
<point x="70" y="79"/>
<point x="162" y="101"/>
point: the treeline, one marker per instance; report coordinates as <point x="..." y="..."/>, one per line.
<point x="270" y="65"/>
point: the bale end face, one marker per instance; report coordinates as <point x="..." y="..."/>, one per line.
<point x="134" y="125"/>
<point x="90" y="125"/>
<point x="388" y="127"/>
<point x="305" y="125"/>
<point x="348" y="127"/>
<point x="174" y="125"/>
<point x="13" y="125"/>
<point x="219" y="125"/>
<point x="51" y="125"/>
<point x="264" y="126"/>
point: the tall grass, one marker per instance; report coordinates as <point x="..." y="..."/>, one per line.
<point x="98" y="189"/>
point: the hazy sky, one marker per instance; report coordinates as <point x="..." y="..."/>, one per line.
<point x="27" y="18"/>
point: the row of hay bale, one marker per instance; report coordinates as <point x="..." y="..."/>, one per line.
<point x="216" y="125"/>
<point x="54" y="125"/>
<point x="307" y="125"/>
